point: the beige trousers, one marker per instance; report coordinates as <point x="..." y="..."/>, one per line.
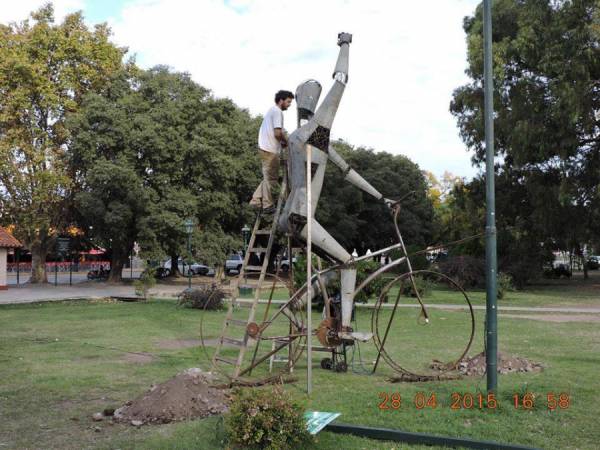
<point x="270" y="170"/>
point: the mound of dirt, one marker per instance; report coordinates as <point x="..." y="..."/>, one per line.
<point x="506" y="364"/>
<point x="188" y="395"/>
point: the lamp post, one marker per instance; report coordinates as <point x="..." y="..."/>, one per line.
<point x="189" y="229"/>
<point x="490" y="195"/>
<point x="245" y="233"/>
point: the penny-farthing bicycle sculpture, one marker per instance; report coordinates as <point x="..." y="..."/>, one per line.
<point x="408" y="336"/>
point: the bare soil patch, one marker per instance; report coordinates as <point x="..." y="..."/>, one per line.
<point x="556" y="317"/>
<point x="476" y="365"/>
<point x="188" y="395"/>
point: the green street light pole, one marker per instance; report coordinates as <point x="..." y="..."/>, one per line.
<point x="189" y="228"/>
<point x="245" y="233"/>
<point x="491" y="261"/>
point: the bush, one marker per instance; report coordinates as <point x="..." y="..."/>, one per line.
<point x="208" y="297"/>
<point x="144" y="283"/>
<point x="374" y="288"/>
<point x="504" y="284"/>
<point x="467" y="271"/>
<point x="423" y="286"/>
<point x="266" y="419"/>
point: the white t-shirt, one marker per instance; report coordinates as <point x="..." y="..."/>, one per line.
<point x="266" y="136"/>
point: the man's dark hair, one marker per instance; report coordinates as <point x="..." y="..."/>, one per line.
<point x="282" y="95"/>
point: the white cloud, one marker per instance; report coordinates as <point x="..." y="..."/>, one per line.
<point x="405" y="60"/>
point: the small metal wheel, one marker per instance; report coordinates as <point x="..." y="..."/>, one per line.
<point x="326" y="363"/>
<point x="341" y="367"/>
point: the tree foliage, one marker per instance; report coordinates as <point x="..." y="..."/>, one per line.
<point x="357" y="220"/>
<point x="191" y="156"/>
<point x="547" y="124"/>
<point x="45" y="71"/>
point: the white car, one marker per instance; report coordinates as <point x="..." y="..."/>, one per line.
<point x="234" y="263"/>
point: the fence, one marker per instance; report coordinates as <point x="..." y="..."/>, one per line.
<point x="60" y="266"/>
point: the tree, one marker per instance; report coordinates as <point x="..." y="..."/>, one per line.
<point x="45" y="71"/>
<point x="547" y="125"/>
<point x="115" y="200"/>
<point x="359" y="221"/>
<point x="190" y="152"/>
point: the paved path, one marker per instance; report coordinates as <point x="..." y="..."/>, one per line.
<point x="92" y="290"/>
<point x="88" y="290"/>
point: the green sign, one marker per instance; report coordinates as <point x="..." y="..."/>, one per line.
<point x="317" y="420"/>
<point x="62" y="245"/>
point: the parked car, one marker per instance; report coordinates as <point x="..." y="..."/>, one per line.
<point x="593" y="262"/>
<point x="284" y="265"/>
<point x="190" y="269"/>
<point x="201" y="269"/>
<point x="234" y="263"/>
<point x="159" y="272"/>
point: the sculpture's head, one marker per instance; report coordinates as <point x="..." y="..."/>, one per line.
<point x="307" y="97"/>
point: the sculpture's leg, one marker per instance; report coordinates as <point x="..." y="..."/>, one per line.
<point x="348" y="284"/>
<point x="322" y="239"/>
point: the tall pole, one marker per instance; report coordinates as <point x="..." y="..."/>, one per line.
<point x="491" y="262"/>
<point x="18" y="255"/>
<point x="308" y="269"/>
<point x="189" y="264"/>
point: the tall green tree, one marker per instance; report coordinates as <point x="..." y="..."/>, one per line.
<point x="547" y="106"/>
<point x="357" y="220"/>
<point x="192" y="154"/>
<point x="45" y="71"/>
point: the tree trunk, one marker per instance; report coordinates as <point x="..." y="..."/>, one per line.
<point x="585" y="270"/>
<point x="38" y="263"/>
<point x="175" y="266"/>
<point x="117" y="263"/>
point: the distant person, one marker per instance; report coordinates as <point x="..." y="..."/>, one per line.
<point x="271" y="139"/>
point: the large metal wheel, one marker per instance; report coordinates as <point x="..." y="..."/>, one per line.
<point x="414" y="339"/>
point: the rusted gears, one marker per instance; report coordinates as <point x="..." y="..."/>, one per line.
<point x="327" y="334"/>
<point x="252" y="329"/>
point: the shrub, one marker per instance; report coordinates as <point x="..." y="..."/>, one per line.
<point x="423" y="286"/>
<point x="208" y="297"/>
<point x="467" y="271"/>
<point x="374" y="288"/>
<point x="144" y="283"/>
<point x="504" y="284"/>
<point x="266" y="419"/>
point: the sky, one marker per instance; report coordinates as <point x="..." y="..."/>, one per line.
<point x="406" y="58"/>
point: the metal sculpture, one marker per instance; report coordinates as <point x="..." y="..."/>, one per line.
<point x="285" y="329"/>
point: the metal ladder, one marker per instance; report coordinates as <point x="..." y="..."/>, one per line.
<point x="243" y="325"/>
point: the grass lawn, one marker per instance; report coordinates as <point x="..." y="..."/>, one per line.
<point x="62" y="362"/>
<point x="575" y="292"/>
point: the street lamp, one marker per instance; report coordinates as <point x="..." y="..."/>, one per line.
<point x="189" y="229"/>
<point x="245" y="233"/>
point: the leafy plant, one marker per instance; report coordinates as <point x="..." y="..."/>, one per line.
<point x="266" y="419"/>
<point x="146" y="282"/>
<point x="467" y="271"/>
<point x="209" y="297"/>
<point x="504" y="284"/>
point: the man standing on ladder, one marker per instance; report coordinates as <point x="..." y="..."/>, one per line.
<point x="271" y="139"/>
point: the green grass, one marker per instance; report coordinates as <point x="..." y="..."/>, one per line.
<point x="61" y="362"/>
<point x="575" y="292"/>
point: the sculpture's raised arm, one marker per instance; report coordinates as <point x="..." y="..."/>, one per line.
<point x="351" y="175"/>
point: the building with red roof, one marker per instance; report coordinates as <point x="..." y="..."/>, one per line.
<point x="7" y="241"/>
